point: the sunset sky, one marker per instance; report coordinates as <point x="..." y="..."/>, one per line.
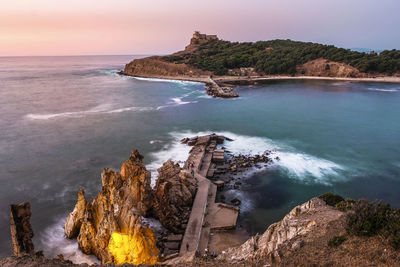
<point x="96" y="27"/>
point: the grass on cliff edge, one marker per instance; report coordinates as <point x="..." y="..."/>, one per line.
<point x="368" y="218"/>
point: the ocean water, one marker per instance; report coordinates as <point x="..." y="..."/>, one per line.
<point x="64" y="119"/>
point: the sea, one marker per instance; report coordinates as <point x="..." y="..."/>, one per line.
<point x="64" y="119"/>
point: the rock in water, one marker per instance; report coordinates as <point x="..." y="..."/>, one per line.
<point x="21" y="229"/>
<point x="75" y="218"/>
<point x="174" y="194"/>
<point x="111" y="226"/>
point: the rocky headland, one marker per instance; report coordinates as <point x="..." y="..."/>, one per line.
<point x="197" y="62"/>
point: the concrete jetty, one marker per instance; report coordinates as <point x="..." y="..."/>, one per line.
<point x="214" y="89"/>
<point x="206" y="215"/>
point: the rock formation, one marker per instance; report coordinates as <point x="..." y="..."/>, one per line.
<point x="158" y="68"/>
<point x="21" y="229"/>
<point x="309" y="219"/>
<point x="174" y="193"/>
<point x="325" y="68"/>
<point x="110" y="225"/>
<point x="75" y="218"/>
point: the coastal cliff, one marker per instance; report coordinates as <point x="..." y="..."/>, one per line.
<point x="207" y="57"/>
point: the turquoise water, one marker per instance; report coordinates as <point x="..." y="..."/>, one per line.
<point x="63" y="119"/>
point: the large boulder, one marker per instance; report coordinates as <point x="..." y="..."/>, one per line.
<point x="173" y="196"/>
<point x="111" y="227"/>
<point x="304" y="222"/>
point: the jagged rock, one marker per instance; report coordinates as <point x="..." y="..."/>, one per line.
<point x="174" y="193"/>
<point x="111" y="227"/>
<point x="21" y="229"/>
<point x="301" y="221"/>
<point x="75" y="218"/>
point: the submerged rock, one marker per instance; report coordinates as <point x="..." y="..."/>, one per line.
<point x="174" y="193"/>
<point x="110" y="225"/>
<point x="21" y="229"/>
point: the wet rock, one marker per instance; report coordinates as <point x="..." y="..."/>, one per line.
<point x="220" y="185"/>
<point x="173" y="196"/>
<point x="21" y="229"/>
<point x="236" y="202"/>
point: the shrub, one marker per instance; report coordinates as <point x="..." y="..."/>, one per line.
<point x="337" y="241"/>
<point x="345" y="205"/>
<point x="331" y="199"/>
<point x="369" y="219"/>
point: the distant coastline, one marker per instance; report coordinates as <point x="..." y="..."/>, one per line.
<point x="222" y="65"/>
<point x="254" y="79"/>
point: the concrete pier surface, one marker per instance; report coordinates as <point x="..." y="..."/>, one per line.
<point x="206" y="215"/>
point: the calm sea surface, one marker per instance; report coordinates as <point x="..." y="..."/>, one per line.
<point x="63" y="119"/>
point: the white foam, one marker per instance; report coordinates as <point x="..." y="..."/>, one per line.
<point x="383" y="90"/>
<point x="166" y="80"/>
<point x="54" y="243"/>
<point x="100" y="109"/>
<point x="111" y="72"/>
<point x="130" y="109"/>
<point x="173" y="150"/>
<point x="152" y="142"/>
<point x="297" y="164"/>
<point x="178" y="101"/>
<point x="175" y="101"/>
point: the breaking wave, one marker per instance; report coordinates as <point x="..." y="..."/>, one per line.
<point x="107" y="109"/>
<point x="165" y="80"/>
<point x="296" y="164"/>
<point x="173" y="150"/>
<point x="384" y="89"/>
<point x="54" y="243"/>
<point x="100" y="109"/>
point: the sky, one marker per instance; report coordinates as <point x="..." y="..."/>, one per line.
<point x="117" y="27"/>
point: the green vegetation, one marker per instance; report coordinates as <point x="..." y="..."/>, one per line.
<point x="282" y="57"/>
<point x="331" y="199"/>
<point x="346" y="205"/>
<point x="369" y="219"/>
<point x="337" y="241"/>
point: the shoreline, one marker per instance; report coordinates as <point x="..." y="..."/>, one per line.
<point x="223" y="86"/>
<point x="252" y="79"/>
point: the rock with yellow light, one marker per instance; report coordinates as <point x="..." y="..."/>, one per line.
<point x="110" y="225"/>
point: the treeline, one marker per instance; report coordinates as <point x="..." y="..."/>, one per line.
<point x="282" y="57"/>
